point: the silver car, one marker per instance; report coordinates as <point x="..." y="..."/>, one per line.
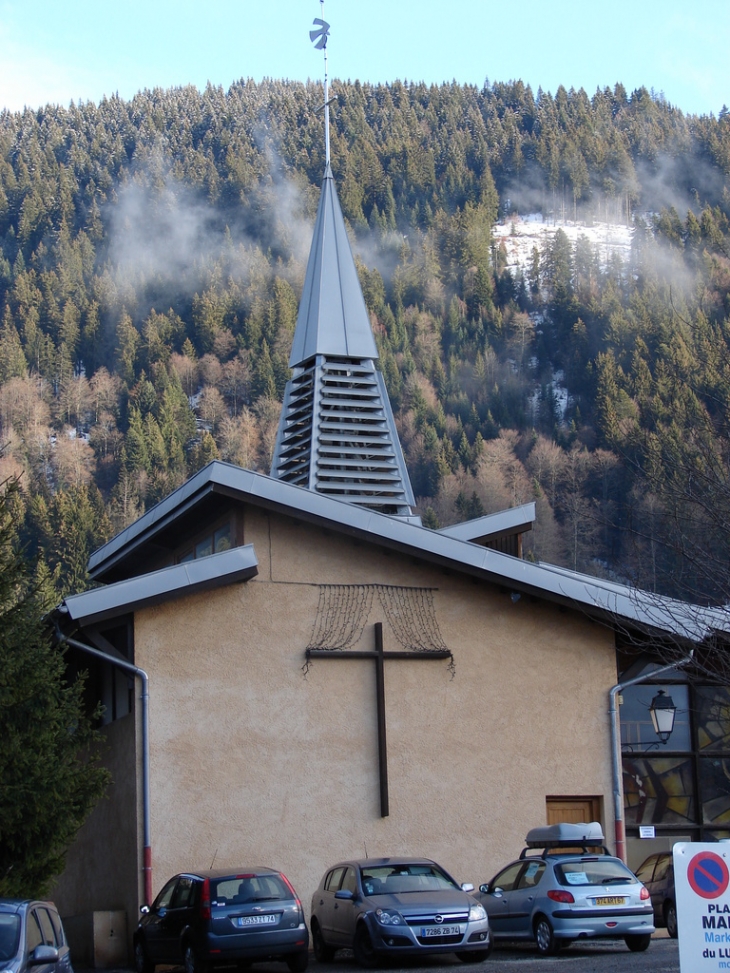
<point x="396" y="907"/>
<point x="32" y="939"/>
<point x="571" y="888"/>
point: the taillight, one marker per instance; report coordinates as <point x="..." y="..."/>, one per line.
<point x="291" y="889"/>
<point x="205" y="900"/>
<point x="560" y="895"/>
<point x="644" y="894"/>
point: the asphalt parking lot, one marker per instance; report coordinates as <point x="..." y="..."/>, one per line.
<point x="599" y="957"/>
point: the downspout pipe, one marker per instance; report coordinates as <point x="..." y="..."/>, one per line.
<point x="618" y="791"/>
<point x="144" y="697"/>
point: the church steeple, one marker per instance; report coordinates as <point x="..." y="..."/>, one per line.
<point x="337" y="433"/>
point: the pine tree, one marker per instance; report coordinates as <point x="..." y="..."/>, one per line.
<point x="49" y="764"/>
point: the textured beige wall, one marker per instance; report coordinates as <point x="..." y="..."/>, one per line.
<point x="255" y="762"/>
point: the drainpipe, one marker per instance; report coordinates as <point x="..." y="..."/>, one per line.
<point x="618" y="793"/>
<point x="144" y="697"/>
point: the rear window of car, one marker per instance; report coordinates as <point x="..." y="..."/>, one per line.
<point x="594" y="871"/>
<point x="239" y="889"/>
<point x="408" y="877"/>
<point x="9" y="935"/>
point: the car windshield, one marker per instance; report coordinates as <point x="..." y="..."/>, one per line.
<point x="235" y="889"/>
<point x="594" y="871"/>
<point x="9" y="935"/>
<point x="408" y="877"/>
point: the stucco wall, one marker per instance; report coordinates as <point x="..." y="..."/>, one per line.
<point x="254" y="761"/>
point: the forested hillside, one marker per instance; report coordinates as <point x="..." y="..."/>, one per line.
<point x="153" y="253"/>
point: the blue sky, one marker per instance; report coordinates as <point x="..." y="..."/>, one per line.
<point x="61" y="50"/>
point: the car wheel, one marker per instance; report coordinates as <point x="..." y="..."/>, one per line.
<point x="547" y="944"/>
<point x="363" y="949"/>
<point x="192" y="961"/>
<point x="323" y="952"/>
<point x="298" y="962"/>
<point x="670" y="919"/>
<point x="142" y="963"/>
<point x="637" y="944"/>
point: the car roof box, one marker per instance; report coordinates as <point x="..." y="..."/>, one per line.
<point x="565" y="835"/>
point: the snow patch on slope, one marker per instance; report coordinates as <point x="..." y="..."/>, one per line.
<point x="520" y="234"/>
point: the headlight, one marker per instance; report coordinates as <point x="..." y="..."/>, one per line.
<point x="477" y="912"/>
<point x="389" y="917"/>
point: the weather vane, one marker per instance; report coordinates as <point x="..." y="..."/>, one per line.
<point x="319" y="38"/>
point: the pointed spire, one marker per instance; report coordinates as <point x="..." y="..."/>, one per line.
<point x="333" y="318"/>
<point x="337" y="432"/>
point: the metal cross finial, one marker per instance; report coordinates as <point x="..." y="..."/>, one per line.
<point x="319" y="37"/>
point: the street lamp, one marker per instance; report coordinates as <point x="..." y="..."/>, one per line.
<point x="662" y="712"/>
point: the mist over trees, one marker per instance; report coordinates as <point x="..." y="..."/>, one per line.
<point x="152" y="254"/>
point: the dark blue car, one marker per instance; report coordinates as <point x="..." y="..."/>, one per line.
<point x="657" y="874"/>
<point x="203" y="919"/>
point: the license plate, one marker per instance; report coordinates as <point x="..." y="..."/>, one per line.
<point x="611" y="900"/>
<point x="428" y="931"/>
<point x="269" y="920"/>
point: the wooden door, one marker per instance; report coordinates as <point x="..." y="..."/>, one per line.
<point x="573" y="810"/>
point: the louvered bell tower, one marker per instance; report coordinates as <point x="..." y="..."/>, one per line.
<point x="337" y="433"/>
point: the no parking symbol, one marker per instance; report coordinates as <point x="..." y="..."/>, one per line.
<point x="708" y="875"/>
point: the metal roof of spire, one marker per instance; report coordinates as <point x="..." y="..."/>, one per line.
<point x="333" y="319"/>
<point x="337" y="433"/>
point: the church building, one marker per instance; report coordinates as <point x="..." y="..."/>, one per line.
<point x="295" y="670"/>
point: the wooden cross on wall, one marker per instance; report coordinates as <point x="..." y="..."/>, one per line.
<point x="379" y="656"/>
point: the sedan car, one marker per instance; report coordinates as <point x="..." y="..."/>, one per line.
<point x="571" y="888"/>
<point x="657" y="874"/>
<point x="396" y="907"/>
<point x="32" y="938"/>
<point x="202" y="919"/>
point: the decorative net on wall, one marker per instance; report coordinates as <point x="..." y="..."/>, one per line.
<point x="343" y="612"/>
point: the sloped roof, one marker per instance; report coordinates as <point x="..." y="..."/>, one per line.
<point x="226" y="567"/>
<point x="594" y="596"/>
<point x="516" y="520"/>
<point x="333" y="319"/>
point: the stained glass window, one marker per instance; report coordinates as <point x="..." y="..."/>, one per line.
<point x="658" y="790"/>
<point x="713" y="717"/>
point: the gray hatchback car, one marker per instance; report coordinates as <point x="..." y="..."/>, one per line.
<point x="396" y="907"/>
<point x="566" y="886"/>
<point x="32" y="939"/>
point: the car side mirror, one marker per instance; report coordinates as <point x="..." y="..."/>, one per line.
<point x="484" y="887"/>
<point x="344" y="894"/>
<point x="467" y="886"/>
<point x="145" y="910"/>
<point x="42" y="955"/>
